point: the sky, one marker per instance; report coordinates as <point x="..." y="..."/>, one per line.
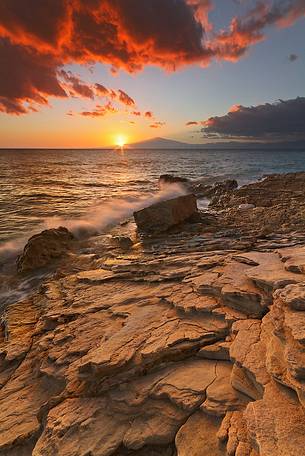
<point x="76" y="73"/>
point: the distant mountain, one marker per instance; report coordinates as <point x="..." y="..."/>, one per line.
<point x="160" y="143"/>
<point x="163" y="143"/>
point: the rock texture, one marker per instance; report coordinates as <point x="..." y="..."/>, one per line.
<point x="188" y="345"/>
<point x="275" y="204"/>
<point x="161" y="216"/>
<point x="43" y="248"/>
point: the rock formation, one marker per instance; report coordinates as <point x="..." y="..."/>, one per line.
<point x="188" y="345"/>
<point x="161" y="216"/>
<point x="44" y="248"/>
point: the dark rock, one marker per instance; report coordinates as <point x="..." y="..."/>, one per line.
<point x="123" y="242"/>
<point x="170" y="179"/>
<point x="216" y="190"/>
<point x="44" y="247"/>
<point x="162" y="216"/>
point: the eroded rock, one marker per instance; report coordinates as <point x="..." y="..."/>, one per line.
<point x="43" y="248"/>
<point x="161" y="216"/>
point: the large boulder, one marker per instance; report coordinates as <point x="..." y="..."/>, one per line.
<point x="161" y="216"/>
<point x="43" y="248"/>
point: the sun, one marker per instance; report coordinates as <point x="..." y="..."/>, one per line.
<point x="120" y="141"/>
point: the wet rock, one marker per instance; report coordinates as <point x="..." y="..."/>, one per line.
<point x="43" y="248"/>
<point x="166" y="179"/>
<point x="161" y="216"/>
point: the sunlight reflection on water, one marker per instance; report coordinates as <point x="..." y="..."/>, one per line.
<point x="40" y="184"/>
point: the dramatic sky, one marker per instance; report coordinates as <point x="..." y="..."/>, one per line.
<point x="80" y="73"/>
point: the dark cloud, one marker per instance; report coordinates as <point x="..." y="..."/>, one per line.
<point x="293" y="57"/>
<point x="127" y="34"/>
<point x="125" y="99"/>
<point x="75" y="85"/>
<point x="29" y="22"/>
<point x="101" y="90"/>
<point x="192" y="122"/>
<point x="280" y="121"/>
<point x="26" y="78"/>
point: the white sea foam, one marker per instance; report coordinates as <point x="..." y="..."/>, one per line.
<point x="97" y="219"/>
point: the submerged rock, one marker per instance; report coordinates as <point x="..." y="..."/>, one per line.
<point x="43" y="248"/>
<point x="170" y="179"/>
<point x="161" y="216"/>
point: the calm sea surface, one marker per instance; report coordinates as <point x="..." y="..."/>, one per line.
<point x="37" y="186"/>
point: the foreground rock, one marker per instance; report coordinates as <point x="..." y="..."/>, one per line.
<point x="273" y="205"/>
<point x="189" y="354"/>
<point x="192" y="345"/>
<point x="43" y="248"/>
<point x="161" y="216"/>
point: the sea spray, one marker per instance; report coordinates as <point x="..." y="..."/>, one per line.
<point x="113" y="212"/>
<point x="97" y="219"/>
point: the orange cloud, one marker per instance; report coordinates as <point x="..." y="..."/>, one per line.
<point x="101" y="90"/>
<point x="249" y="29"/>
<point x="75" y="86"/>
<point x="127" y="34"/>
<point x="100" y="111"/>
<point x="157" y="124"/>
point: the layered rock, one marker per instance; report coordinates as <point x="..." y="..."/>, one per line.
<point x="190" y="345"/>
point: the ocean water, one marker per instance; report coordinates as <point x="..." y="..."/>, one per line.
<point x="43" y="188"/>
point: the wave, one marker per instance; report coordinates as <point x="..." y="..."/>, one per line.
<point x="97" y="219"/>
<point x="113" y="211"/>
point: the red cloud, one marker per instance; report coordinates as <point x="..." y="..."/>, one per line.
<point x="157" y="125"/>
<point x="26" y="78"/>
<point x="101" y="90"/>
<point x="249" y="29"/>
<point x="40" y="37"/>
<point x="148" y="115"/>
<point x="75" y="85"/>
<point x="125" y="99"/>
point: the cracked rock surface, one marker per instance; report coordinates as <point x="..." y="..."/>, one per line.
<point x="182" y="349"/>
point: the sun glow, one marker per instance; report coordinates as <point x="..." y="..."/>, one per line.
<point x="120" y="141"/>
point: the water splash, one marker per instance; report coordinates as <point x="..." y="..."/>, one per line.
<point x="97" y="219"/>
<point x="114" y="211"/>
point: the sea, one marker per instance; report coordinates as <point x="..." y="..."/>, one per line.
<point x="92" y="188"/>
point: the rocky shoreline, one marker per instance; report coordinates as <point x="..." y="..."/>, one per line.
<point x="186" y="343"/>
